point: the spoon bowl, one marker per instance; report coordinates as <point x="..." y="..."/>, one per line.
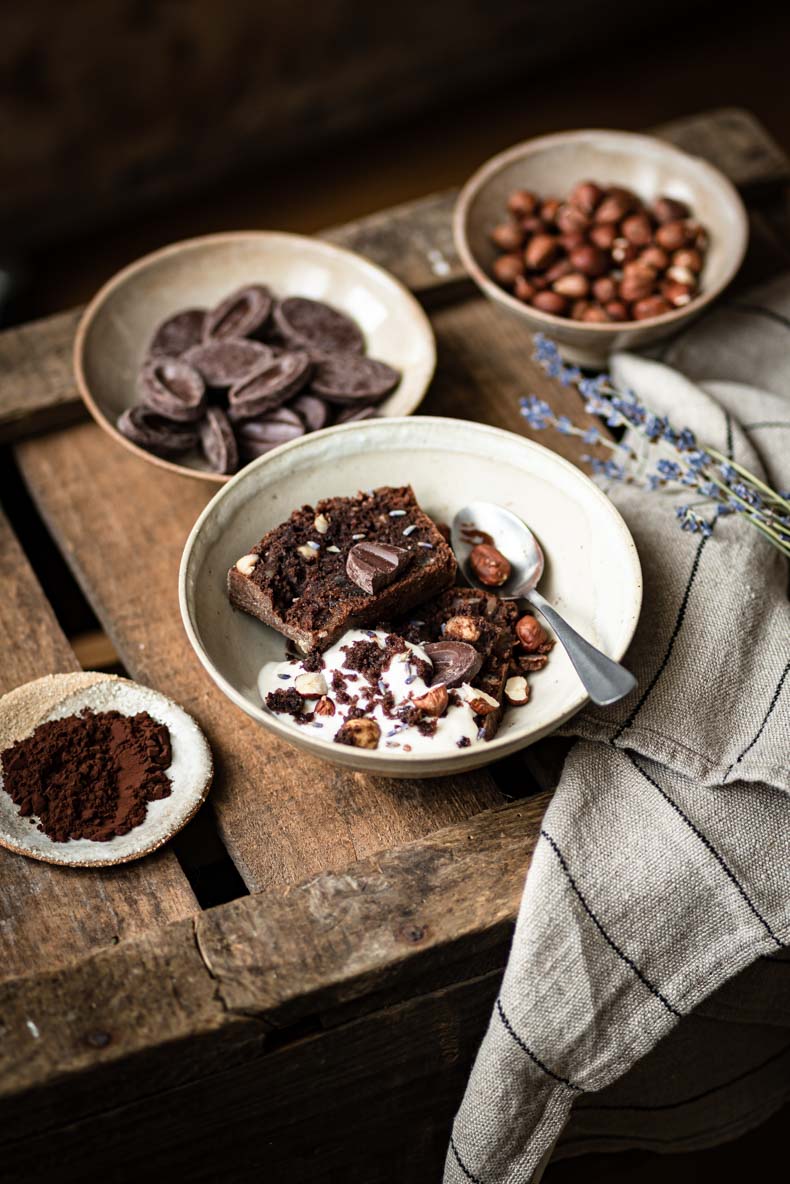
<point x="478" y="523"/>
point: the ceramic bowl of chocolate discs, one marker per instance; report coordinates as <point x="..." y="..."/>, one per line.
<point x="211" y="352"/>
<point x="603" y="240"/>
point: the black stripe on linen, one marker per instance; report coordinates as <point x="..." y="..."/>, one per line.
<point x="469" y="1175"/>
<point x="533" y="1056"/>
<point x="628" y="721"/>
<point x="766" y="717"/>
<point x="609" y="940"/>
<point x="730" y="445"/>
<point x="706" y="1093"/>
<point x="725" y="867"/>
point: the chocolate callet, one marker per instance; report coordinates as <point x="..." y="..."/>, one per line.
<point x="286" y="701"/>
<point x="89" y="776"/>
<point x="372" y="566"/>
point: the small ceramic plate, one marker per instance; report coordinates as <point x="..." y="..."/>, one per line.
<point x="113" y="335"/>
<point x="592" y="570"/>
<point x="58" y="695"/>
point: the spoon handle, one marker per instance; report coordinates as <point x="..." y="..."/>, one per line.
<point x="604" y="680"/>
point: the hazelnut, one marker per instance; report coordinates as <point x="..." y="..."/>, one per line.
<point x="604" y="289"/>
<point x="637" y="229"/>
<point x="636" y="270"/>
<point x="550" y="302"/>
<point x="522" y="203"/>
<point x="534" y="225"/>
<point x="540" y="251"/>
<point x="651" y="306"/>
<point x="589" y="259"/>
<point x="636" y="287"/>
<point x="603" y="235"/>
<point x="550" y="209"/>
<point x="585" y="196"/>
<point x="321" y="524"/>
<point x="523" y="289"/>
<point x="311" y="685"/>
<point x="481" y="703"/>
<point x="539" y="282"/>
<point x="616" y="203"/>
<point x="672" y="235"/>
<point x="689" y="257"/>
<point x="308" y="553"/>
<point x="324" y="706"/>
<point x="507" y="269"/>
<point x="530" y="633"/>
<point x="595" y="314"/>
<point x="434" y="701"/>
<point x="574" y="285"/>
<point x="517" y="691"/>
<point x="655" y="257"/>
<point x="247" y="564"/>
<point x="617" y="310"/>
<point x="682" y="275"/>
<point x="359" y="733"/>
<point x="570" y="219"/>
<point x="508" y="236"/>
<point x="579" y="308"/>
<point x="573" y="240"/>
<point x="678" y="294"/>
<point x="698" y="235"/>
<point x="528" y="663"/>
<point x="489" y="565"/>
<point x="623" y="251"/>
<point x="669" y="209"/>
<point x="558" y="270"/>
<point x="462" y="629"/>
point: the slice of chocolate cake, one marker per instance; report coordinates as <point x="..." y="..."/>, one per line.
<point x="479" y="619"/>
<point x="346" y="563"/>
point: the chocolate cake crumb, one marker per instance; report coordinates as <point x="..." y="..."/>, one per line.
<point x="287" y="701"/>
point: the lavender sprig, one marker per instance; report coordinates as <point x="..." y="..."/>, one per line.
<point x="721" y="485"/>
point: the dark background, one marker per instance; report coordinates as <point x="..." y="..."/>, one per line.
<point x="127" y="124"/>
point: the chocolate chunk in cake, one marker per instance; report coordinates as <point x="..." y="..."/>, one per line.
<point x="296" y="580"/>
<point x="476" y="618"/>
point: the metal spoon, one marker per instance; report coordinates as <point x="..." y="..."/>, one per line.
<point x="604" y="680"/>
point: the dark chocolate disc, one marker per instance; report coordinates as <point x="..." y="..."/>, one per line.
<point x="312" y="410"/>
<point x="350" y="378"/>
<point x="173" y="389"/>
<point x="218" y="442"/>
<point x="224" y="361"/>
<point x="179" y="333"/>
<point x="241" y="314"/>
<point x="454" y="662"/>
<point x="317" y="327"/>
<point x="161" y="436"/>
<point x="256" y="436"/>
<point x="269" y="385"/>
<point x="352" y="414"/>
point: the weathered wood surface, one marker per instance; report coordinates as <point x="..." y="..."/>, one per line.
<point x="258" y="974"/>
<point x="51" y="915"/>
<point x="414" y="241"/>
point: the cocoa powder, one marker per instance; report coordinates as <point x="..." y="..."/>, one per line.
<point x="89" y="776"/>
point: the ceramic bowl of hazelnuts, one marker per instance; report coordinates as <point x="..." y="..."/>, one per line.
<point x="603" y="240"/>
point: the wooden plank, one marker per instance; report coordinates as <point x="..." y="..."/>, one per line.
<point x="414" y="241"/>
<point x="256" y="973"/>
<point x="282" y="814"/>
<point x="50" y="915"/>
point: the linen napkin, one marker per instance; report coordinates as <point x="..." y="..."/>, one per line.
<point x="663" y="867"/>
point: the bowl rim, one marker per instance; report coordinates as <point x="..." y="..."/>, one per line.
<point x="638" y="140"/>
<point x="501" y="745"/>
<point x="128" y="272"/>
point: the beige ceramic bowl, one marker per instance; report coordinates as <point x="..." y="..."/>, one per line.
<point x="117" y="325"/>
<point x="592" y="570"/>
<point x="551" y="166"/>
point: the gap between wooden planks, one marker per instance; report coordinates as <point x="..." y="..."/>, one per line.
<point x="50" y="915"/>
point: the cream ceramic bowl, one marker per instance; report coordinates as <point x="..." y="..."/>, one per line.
<point x="113" y="335"/>
<point x="592" y="570"/>
<point x="551" y="166"/>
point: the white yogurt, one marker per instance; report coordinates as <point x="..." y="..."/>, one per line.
<point x="400" y="678"/>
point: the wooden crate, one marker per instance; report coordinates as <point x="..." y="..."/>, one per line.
<point x="320" y="1025"/>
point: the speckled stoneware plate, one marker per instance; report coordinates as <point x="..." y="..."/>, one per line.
<point x="58" y="695"/>
<point x="113" y="335"/>
<point x="592" y="569"/>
